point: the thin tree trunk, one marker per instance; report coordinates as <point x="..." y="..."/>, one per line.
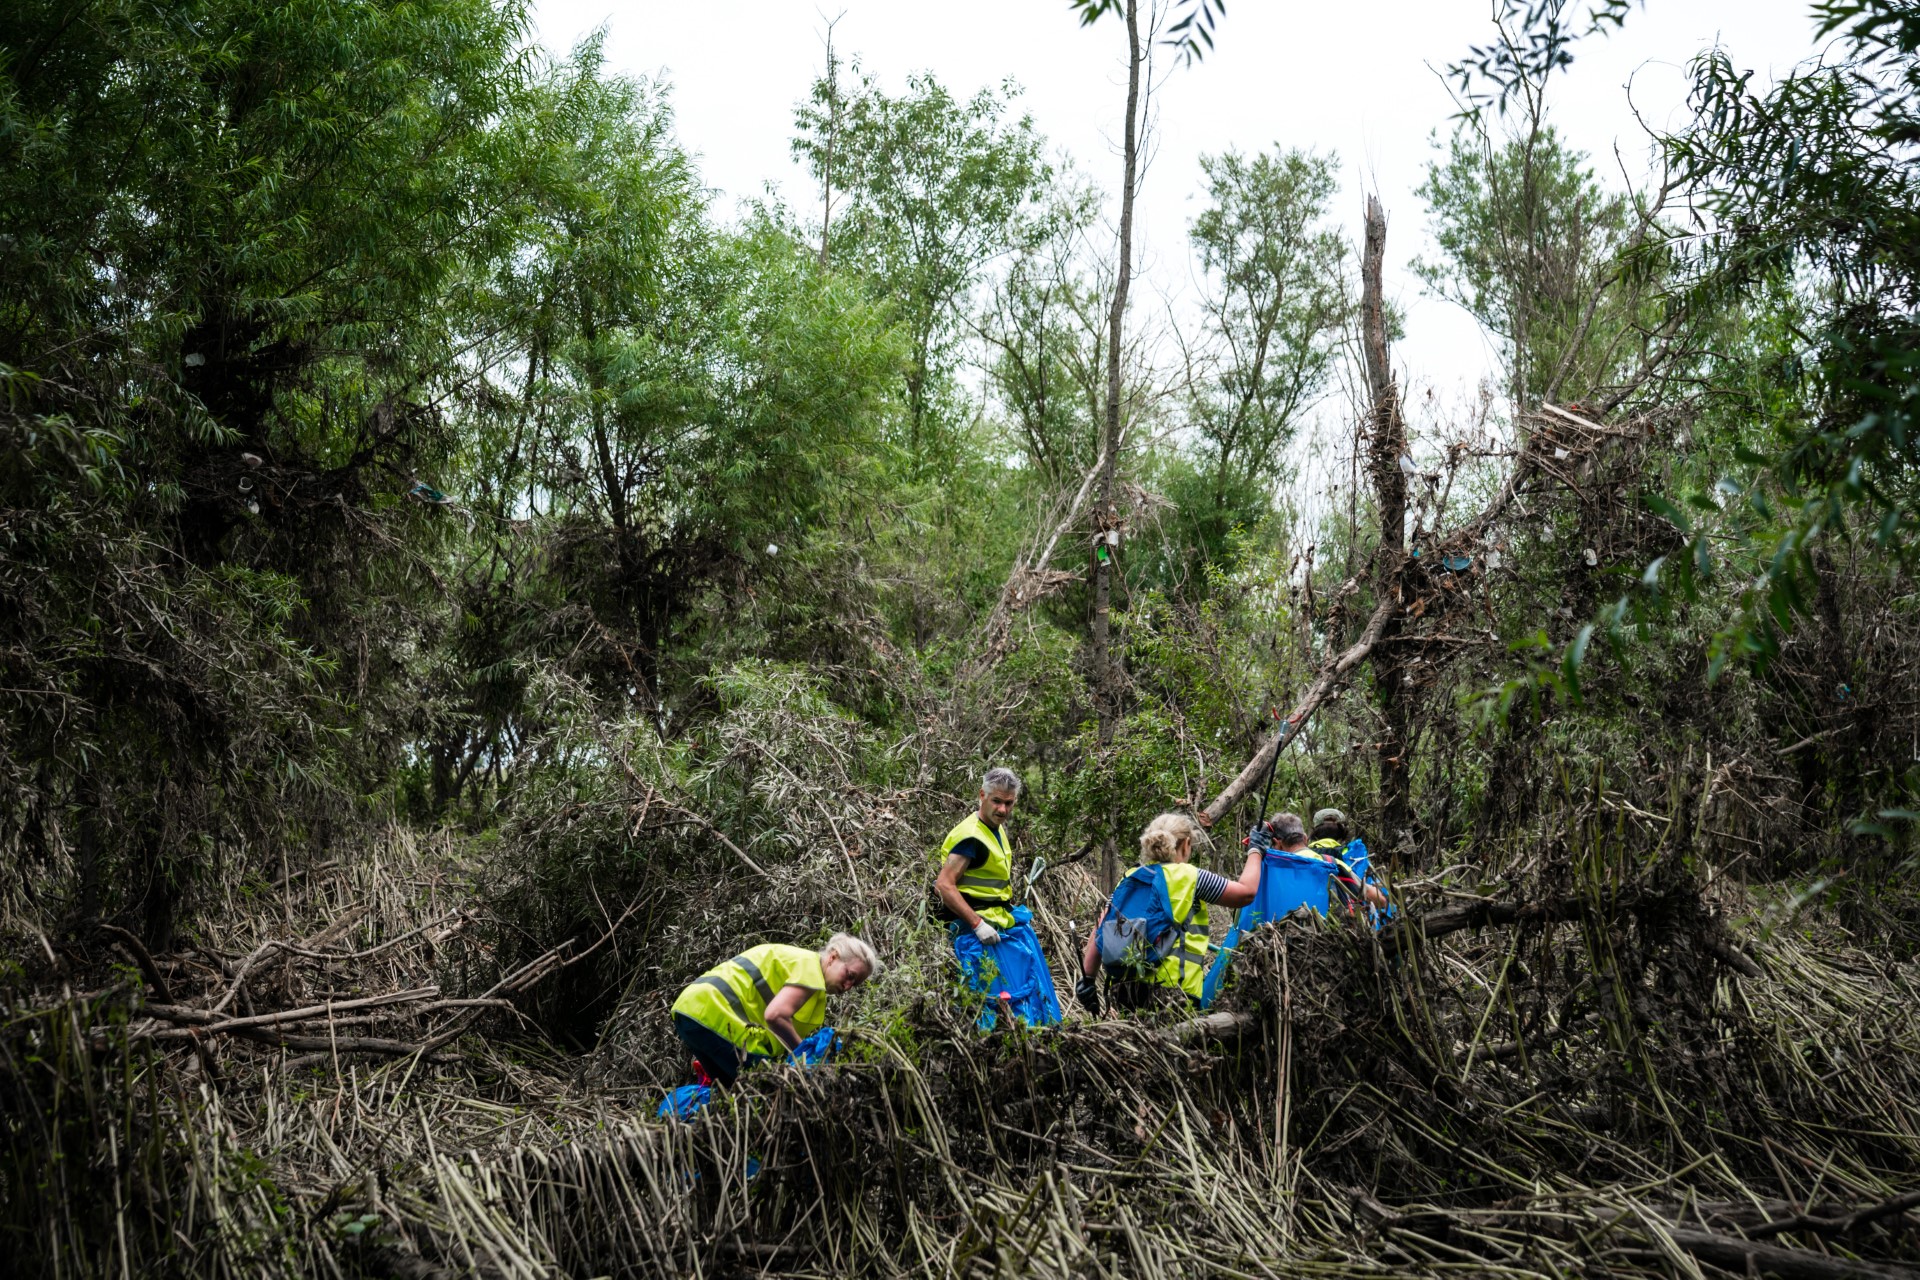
<point x="833" y="136"/>
<point x="1104" y="676"/>
<point x="1386" y="447"/>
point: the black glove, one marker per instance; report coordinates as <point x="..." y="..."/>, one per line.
<point x="1087" y="992"/>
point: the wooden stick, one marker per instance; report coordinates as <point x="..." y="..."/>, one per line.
<point x="1318" y="692"/>
<point x="1837" y="1226"/>
<point x="137" y="949"/>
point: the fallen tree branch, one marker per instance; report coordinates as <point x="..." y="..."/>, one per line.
<point x="1009" y="602"/>
<point x="144" y="961"/>
<point x="202" y="1023"/>
<point x="1411" y="931"/>
<point x="1322" y="688"/>
<point x="1837" y="1226"/>
<point x="1732" y="956"/>
<point x="1731" y="1253"/>
<point x="719" y="835"/>
<point x="1210" y="1026"/>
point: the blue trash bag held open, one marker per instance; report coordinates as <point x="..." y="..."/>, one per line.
<point x="689" y="1100"/>
<point x="1015" y="967"/>
<point x="1288" y="881"/>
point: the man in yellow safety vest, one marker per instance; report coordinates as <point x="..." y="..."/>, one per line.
<point x="766" y="1000"/>
<point x="1331" y="840"/>
<point x="993" y="939"/>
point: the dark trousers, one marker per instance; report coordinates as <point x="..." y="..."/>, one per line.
<point x="722" y="1058"/>
<point x="1134" y="995"/>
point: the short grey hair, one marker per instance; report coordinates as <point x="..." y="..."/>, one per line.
<point x="1287" y="827"/>
<point x="1001" y="778"/>
<point x="848" y="947"/>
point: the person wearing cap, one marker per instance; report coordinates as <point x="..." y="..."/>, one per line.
<point x="1330" y="839"/>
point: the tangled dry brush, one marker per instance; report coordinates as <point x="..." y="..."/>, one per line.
<point x="1591" y="1057"/>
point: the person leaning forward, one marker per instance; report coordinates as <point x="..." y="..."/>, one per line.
<point x="994" y="942"/>
<point x="1168" y="842"/>
<point x="765" y="1000"/>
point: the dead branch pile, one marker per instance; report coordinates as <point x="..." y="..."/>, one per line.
<point x="1577" y="1073"/>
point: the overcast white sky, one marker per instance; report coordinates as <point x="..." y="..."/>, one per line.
<point x="1358" y="79"/>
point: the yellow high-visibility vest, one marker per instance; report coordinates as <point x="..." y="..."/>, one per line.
<point x="1329" y="848"/>
<point x="1186" y="965"/>
<point x="987" y="887"/>
<point x="731" y="998"/>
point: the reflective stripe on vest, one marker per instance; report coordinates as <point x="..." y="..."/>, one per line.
<point x="1186" y="967"/>
<point x="731" y="998"/>
<point x="987" y="887"/>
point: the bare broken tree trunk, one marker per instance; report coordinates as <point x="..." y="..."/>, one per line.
<point x="1020" y="587"/>
<point x="1387" y="446"/>
<point x="1105" y="676"/>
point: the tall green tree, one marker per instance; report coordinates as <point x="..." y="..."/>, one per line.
<point x="933" y="190"/>
<point x="1274" y="302"/>
<point x="1045" y="336"/>
<point x="1530" y="245"/>
<point x="226" y="233"/>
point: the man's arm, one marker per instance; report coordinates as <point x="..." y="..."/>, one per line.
<point x="947" y="885"/>
<point x="780" y="1010"/>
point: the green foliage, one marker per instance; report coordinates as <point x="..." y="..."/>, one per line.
<point x="1190" y="31"/>
<point x="1531" y="246"/>
<point x="1045" y="334"/>
<point x="931" y="190"/>
<point x="1275" y="302"/>
<point x="1815" y="182"/>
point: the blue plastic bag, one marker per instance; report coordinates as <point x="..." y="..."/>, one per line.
<point x="814" y="1048"/>
<point x="1014" y="968"/>
<point x="1288" y="881"/>
<point x="686" y="1102"/>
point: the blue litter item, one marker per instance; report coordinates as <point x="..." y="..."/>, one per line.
<point x="689" y="1100"/>
<point x="816" y="1047"/>
<point x="686" y="1102"/>
<point x="1015" y="966"/>
<point x="1288" y="881"/>
<point x="1361" y="861"/>
<point x="1360" y="858"/>
<point x="1456" y="564"/>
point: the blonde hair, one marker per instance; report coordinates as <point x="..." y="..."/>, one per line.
<point x="850" y="948"/>
<point x="1161" y="840"/>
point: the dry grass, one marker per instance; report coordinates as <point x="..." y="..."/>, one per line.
<point x="1590" y="1089"/>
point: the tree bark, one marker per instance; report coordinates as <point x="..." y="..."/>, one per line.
<point x="1317" y="693"/>
<point x="1386" y="447"/>
<point x="1105" y="677"/>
